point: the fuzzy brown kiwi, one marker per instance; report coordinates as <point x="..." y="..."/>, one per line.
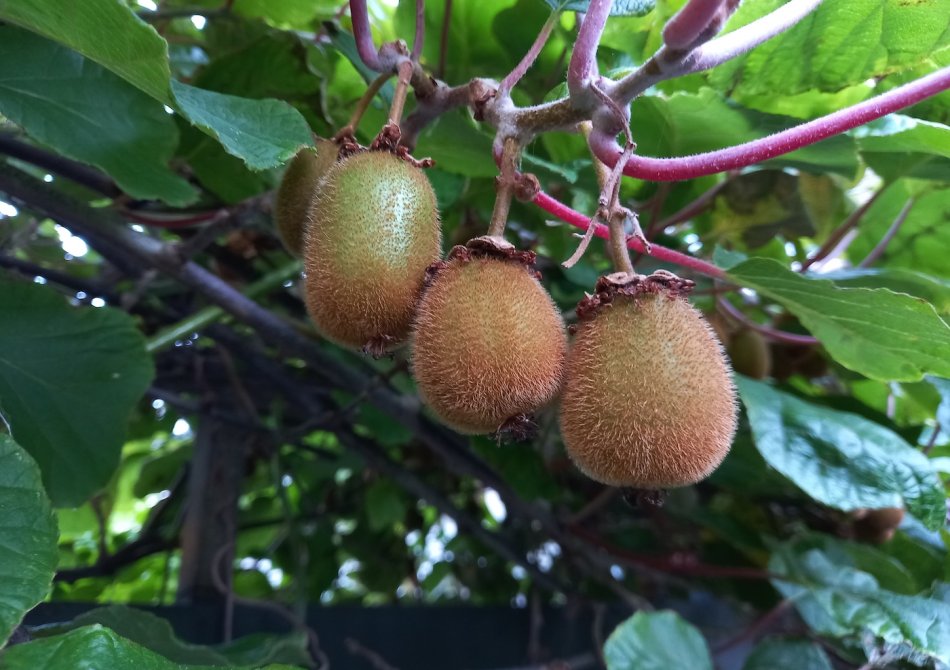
<point x="750" y="354"/>
<point x="648" y="399"/>
<point x="296" y="191"/>
<point x="374" y="230"/>
<point x="488" y="341"/>
<point x="877" y="526"/>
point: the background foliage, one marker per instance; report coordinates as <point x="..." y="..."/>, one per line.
<point x="165" y="441"/>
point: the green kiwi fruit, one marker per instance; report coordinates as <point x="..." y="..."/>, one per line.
<point x="750" y="354"/>
<point x="488" y="341"/>
<point x="297" y="188"/>
<point x="374" y="229"/>
<point x="648" y="398"/>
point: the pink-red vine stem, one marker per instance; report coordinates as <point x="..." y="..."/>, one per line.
<point x="742" y="155"/>
<point x="573" y="217"/>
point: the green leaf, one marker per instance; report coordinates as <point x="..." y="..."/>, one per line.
<point x="678" y="125"/>
<point x="87" y="113"/>
<point x="775" y="653"/>
<point x="385" y="505"/>
<point x="156" y="634"/>
<point x="27" y="537"/>
<point x="273" y="65"/>
<point x="922" y="243"/>
<point x="618" y="8"/>
<point x="836" y="598"/>
<point x="264" y="133"/>
<point x="934" y="290"/>
<point x="902" y="146"/>
<point x="837" y="45"/>
<point x="875" y="332"/>
<point x="91" y="648"/>
<point x="69" y="378"/>
<point x="656" y="641"/>
<point x="105" y="31"/>
<point x="841" y="459"/>
<point x="238" y="123"/>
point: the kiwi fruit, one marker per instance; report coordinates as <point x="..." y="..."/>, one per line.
<point x="296" y="191"/>
<point x="488" y="342"/>
<point x="648" y="399"/>
<point x="876" y="526"/>
<point x="374" y="229"/>
<point x="750" y="354"/>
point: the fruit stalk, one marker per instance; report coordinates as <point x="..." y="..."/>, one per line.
<point x="505" y="184"/>
<point x="362" y="105"/>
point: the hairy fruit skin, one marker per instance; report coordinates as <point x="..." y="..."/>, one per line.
<point x="489" y="343"/>
<point x="298" y="186"/>
<point x="649" y="401"/>
<point x="374" y="230"/>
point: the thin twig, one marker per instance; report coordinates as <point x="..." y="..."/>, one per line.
<point x="839" y="233"/>
<point x="881" y="246"/>
<point x="444" y="37"/>
<point x="420" y="30"/>
<point x="770" y="333"/>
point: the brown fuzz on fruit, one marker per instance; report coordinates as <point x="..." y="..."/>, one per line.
<point x="297" y="189"/>
<point x="374" y="231"/>
<point x="750" y="354"/>
<point x="648" y="399"/>
<point x="488" y="343"/>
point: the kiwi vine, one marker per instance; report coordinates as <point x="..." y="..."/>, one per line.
<point x="617" y="425"/>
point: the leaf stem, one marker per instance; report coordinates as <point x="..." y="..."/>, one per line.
<point x="404" y="73"/>
<point x="742" y="155"/>
<point x="362" y="105"/>
<point x="528" y="59"/>
<point x="573" y="217"/>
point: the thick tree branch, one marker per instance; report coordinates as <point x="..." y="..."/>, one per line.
<point x="64" y="167"/>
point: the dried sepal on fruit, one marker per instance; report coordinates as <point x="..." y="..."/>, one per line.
<point x="298" y="186"/>
<point x="648" y="400"/>
<point x="488" y="342"/>
<point x="374" y="231"/>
